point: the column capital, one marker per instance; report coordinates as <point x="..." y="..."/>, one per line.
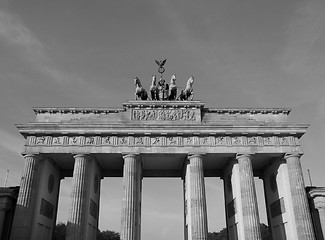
<point x="244" y="155"/>
<point x="131" y="155"/>
<point x="33" y="155"/>
<point x="192" y="155"/>
<point x="83" y="155"/>
<point x="319" y="202"/>
<point x="289" y="155"/>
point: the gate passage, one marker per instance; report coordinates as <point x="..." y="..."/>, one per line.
<point x="171" y="138"/>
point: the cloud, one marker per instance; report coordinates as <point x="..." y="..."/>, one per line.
<point x="304" y="30"/>
<point x="15" y="33"/>
<point x="22" y="42"/>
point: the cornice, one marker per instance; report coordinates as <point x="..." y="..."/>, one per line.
<point x="50" y="128"/>
<point x="274" y="111"/>
<point x="76" y="110"/>
<point x="158" y="105"/>
<point x="163" y="104"/>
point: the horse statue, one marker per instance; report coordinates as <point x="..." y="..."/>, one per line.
<point x="140" y="92"/>
<point x="172" y="88"/>
<point x="188" y="92"/>
<point x="154" y="89"/>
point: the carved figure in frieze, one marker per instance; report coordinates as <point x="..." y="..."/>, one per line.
<point x="57" y="141"/>
<point x="188" y="92"/>
<point x="172" y="88"/>
<point x="40" y="140"/>
<point x="154" y="89"/>
<point x="163" y="89"/>
<point x="140" y="92"/>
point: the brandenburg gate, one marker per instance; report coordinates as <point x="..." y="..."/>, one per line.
<point x="170" y="138"/>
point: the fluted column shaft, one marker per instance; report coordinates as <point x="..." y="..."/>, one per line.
<point x="26" y="201"/>
<point x="248" y="198"/>
<point x="299" y="198"/>
<point x="321" y="212"/>
<point x="78" y="208"/>
<point x="131" y="207"/>
<point x="198" y="207"/>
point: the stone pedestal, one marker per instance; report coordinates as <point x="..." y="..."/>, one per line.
<point x="83" y="215"/>
<point x="131" y="202"/>
<point x="299" y="198"/>
<point x="26" y="202"/>
<point x="196" y="224"/>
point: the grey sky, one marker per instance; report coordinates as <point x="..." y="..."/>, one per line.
<point x="251" y="53"/>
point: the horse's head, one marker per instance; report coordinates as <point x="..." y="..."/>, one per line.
<point x="137" y="81"/>
<point x="173" y="80"/>
<point x="153" y="83"/>
<point x="190" y="81"/>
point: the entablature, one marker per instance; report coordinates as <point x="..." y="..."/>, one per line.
<point x="296" y="130"/>
<point x="162" y="112"/>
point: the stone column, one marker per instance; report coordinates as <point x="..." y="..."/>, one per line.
<point x="5" y="205"/>
<point x="77" y="219"/>
<point x="299" y="198"/>
<point x="248" y="198"/>
<point x="316" y="197"/>
<point x="131" y="202"/>
<point x="2" y="218"/>
<point x="195" y="199"/>
<point x="319" y="203"/>
<point x="26" y="202"/>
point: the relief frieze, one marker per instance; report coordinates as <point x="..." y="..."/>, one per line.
<point x="156" y="141"/>
<point x="58" y="141"/>
<point x="284" y="141"/>
<point x="171" y="141"/>
<point x="252" y="141"/>
<point x="139" y="140"/>
<point x="222" y="141"/>
<point x="123" y="141"/>
<point x="90" y="141"/>
<point x="268" y="141"/>
<point x="163" y="115"/>
<point x="74" y="141"/>
<point x="41" y="140"/>
<point x="237" y="141"/>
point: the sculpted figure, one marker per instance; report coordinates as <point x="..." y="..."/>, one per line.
<point x="154" y="89"/>
<point x="162" y="89"/>
<point x="140" y="92"/>
<point x="172" y="88"/>
<point x="187" y="93"/>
